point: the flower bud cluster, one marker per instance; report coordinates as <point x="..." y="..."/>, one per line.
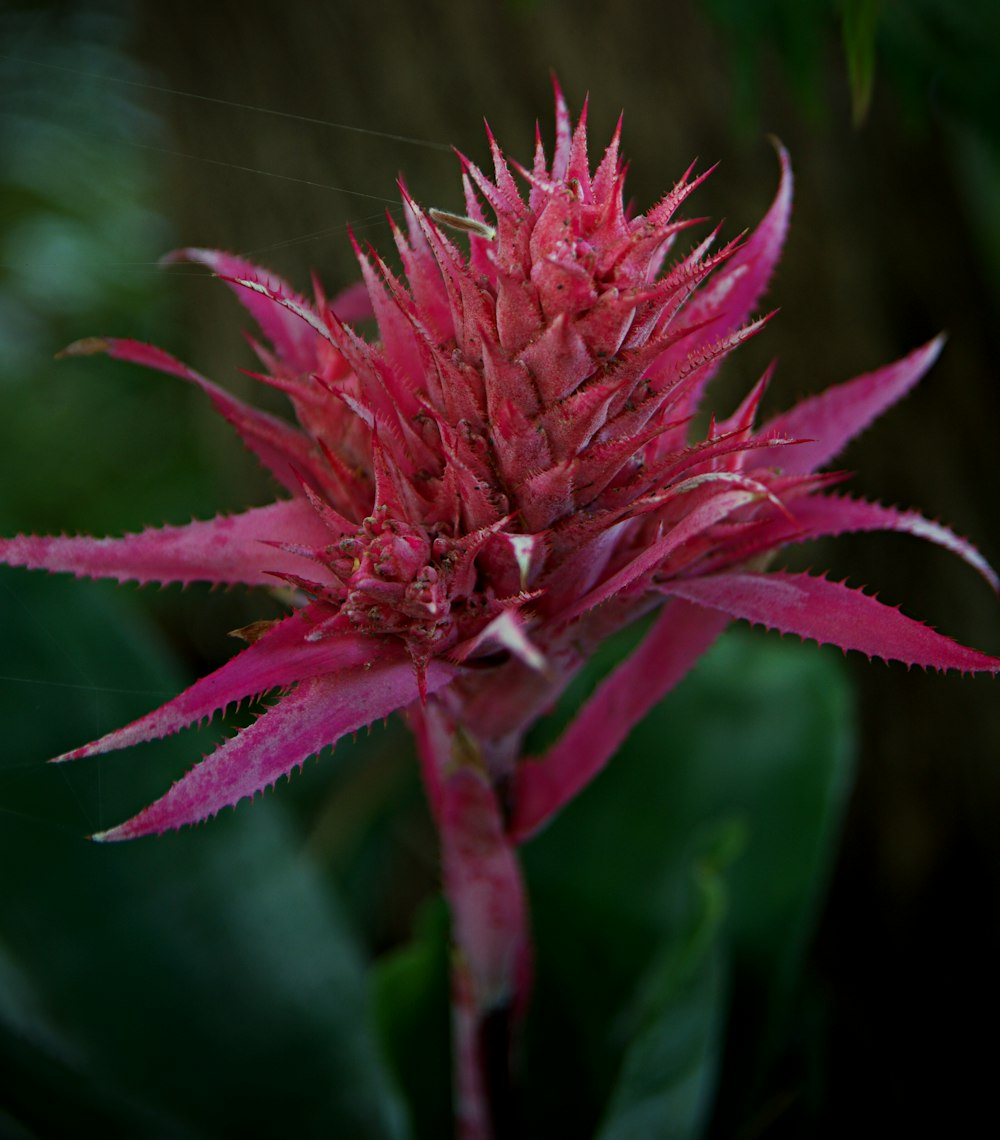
<point x="402" y="579"/>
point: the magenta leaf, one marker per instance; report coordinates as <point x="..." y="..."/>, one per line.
<point x="834" y="417"/>
<point x="825" y="515"/>
<point x="714" y="510"/>
<point x="546" y="783"/>
<point x="280" y="657"/>
<point x="834" y="514"/>
<point x="313" y="716"/>
<point x="737" y="288"/>
<point x="830" y="613"/>
<point x="227" y="549"/>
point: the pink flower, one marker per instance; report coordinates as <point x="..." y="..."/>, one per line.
<point x="505" y="478"/>
<point x="477" y="500"/>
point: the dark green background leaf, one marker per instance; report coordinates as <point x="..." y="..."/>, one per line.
<point x="670" y="1067"/>
<point x="201" y="984"/>
<point x="755" y="747"/>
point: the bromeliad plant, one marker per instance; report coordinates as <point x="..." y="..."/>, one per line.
<point x="474" y="502"/>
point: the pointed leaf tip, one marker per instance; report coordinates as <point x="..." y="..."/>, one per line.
<point x="830" y="613"/>
<point x="86" y="346"/>
<point x="682" y="633"/>
<point x="837" y="415"/>
<point x="312" y="716"/>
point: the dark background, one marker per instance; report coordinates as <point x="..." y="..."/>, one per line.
<point x="894" y="238"/>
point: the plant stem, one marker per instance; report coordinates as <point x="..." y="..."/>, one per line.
<point x="492" y="952"/>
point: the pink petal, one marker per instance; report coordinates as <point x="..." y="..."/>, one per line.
<point x="830" y="613"/>
<point x="282" y="656"/>
<point x="544" y="784"/>
<point x="226" y="549"/>
<point x="316" y="714"/>
<point x="564" y="135"/>
<point x="732" y="294"/>
<point x="834" y="417"/>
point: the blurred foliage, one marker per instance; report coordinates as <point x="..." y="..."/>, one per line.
<point x="941" y="57"/>
<point x="860" y="23"/>
<point x="794" y="32"/>
<point x="82" y="230"/>
<point x="688" y="875"/>
<point x="207" y="985"/>
<point x="938" y="54"/>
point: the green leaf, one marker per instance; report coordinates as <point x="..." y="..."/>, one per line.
<point x="668" y="1074"/>
<point x="860" y="24"/>
<point x="756" y="742"/>
<point x="207" y="980"/>
<point x="411" y="990"/>
<point x="45" y="1078"/>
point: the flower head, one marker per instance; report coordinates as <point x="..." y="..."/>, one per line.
<point x="504" y="477"/>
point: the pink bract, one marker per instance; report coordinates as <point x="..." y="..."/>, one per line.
<point x="506" y="477"/>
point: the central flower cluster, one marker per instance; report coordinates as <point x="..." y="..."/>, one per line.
<point x="513" y="453"/>
<point x="504" y="478"/>
<point x="401" y="579"/>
